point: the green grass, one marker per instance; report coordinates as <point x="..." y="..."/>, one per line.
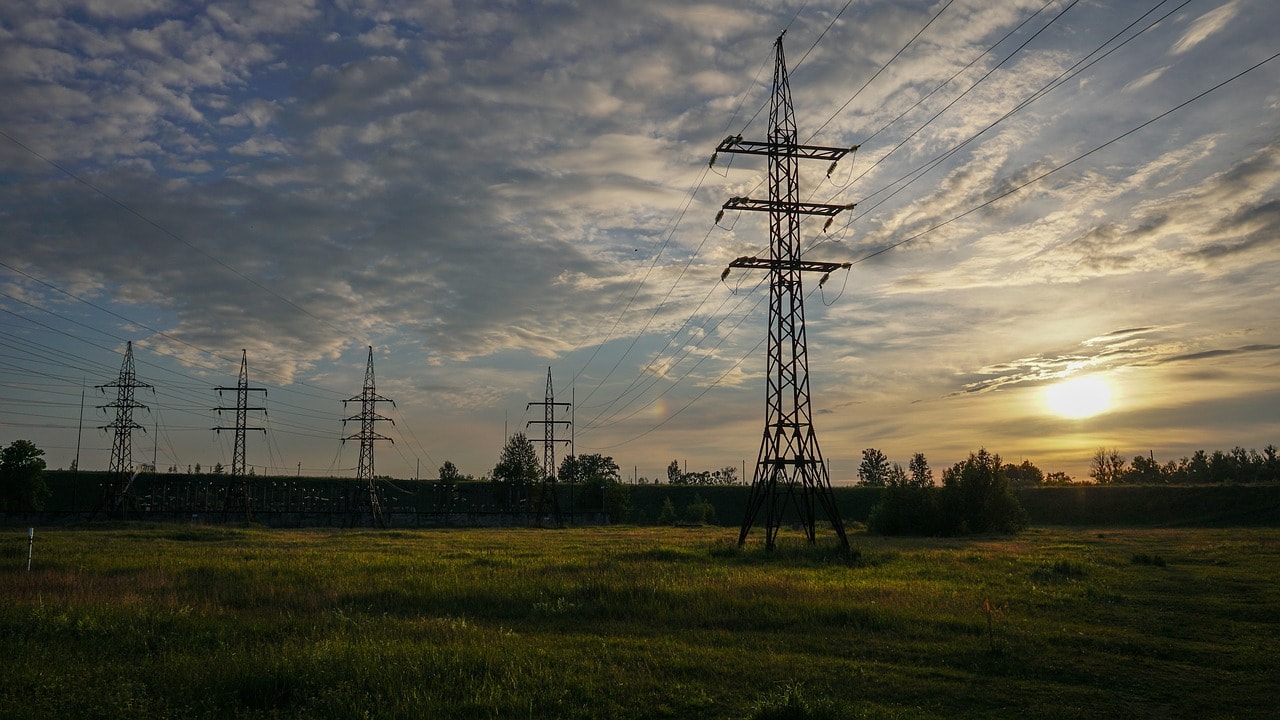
<point x="171" y="621"/>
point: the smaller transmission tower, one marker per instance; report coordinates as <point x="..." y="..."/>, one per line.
<point x="116" y="491"/>
<point x="549" y="423"/>
<point x="368" y="417"/>
<point x="239" y="494"/>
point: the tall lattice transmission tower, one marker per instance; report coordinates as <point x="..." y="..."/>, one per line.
<point x="239" y="493"/>
<point x="790" y="468"/>
<point x="116" y="491"/>
<point x="368" y="417"/>
<point x="548" y="494"/>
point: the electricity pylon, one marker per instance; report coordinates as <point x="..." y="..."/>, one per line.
<point x="790" y="467"/>
<point x="368" y="399"/>
<point x="239" y="494"/>
<point x="549" y="423"/>
<point x="115" y="493"/>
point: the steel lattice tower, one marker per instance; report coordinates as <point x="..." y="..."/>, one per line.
<point x="116" y="490"/>
<point x="368" y="417"/>
<point x="239" y="493"/>
<point x="790" y="467"/>
<point x="549" y="441"/>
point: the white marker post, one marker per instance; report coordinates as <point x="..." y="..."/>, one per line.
<point x="31" y="540"/>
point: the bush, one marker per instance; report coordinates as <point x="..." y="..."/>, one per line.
<point x="974" y="498"/>
<point x="699" y="511"/>
<point x="668" y="515"/>
<point x="905" y="510"/>
<point x="22" y="485"/>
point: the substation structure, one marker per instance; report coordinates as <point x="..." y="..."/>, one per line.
<point x="280" y="501"/>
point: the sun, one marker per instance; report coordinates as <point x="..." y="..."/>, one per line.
<point x="1079" y="397"/>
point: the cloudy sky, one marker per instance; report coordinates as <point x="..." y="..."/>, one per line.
<point x="481" y="190"/>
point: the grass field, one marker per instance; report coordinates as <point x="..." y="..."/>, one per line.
<point x="172" y="621"/>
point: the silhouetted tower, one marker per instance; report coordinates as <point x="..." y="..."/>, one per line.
<point x="549" y="423"/>
<point x="790" y="466"/>
<point x="116" y="491"/>
<point x="239" y="493"/>
<point x="368" y="399"/>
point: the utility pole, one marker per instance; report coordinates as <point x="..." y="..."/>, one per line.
<point x="75" y="476"/>
<point x="115" y="492"/>
<point x="238" y="492"/>
<point x="790" y="466"/>
<point x="549" y="441"/>
<point x="368" y="417"/>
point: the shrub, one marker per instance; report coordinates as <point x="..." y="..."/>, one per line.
<point x="905" y="510"/>
<point x="976" y="498"/>
<point x="700" y="511"/>
<point x="668" y="515"/>
<point x="22" y="484"/>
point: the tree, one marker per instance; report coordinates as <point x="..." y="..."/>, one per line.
<point x="976" y="497"/>
<point x="674" y="475"/>
<point x="589" y="468"/>
<point x="1024" y="474"/>
<point x="700" y="512"/>
<point x="218" y="469"/>
<point x="518" y="462"/>
<point x="874" y="469"/>
<point x="1058" y="477"/>
<point x="668" y="514"/>
<point x="1106" y="466"/>
<point x="897" y="476"/>
<point x="601" y="483"/>
<point x="449" y="472"/>
<point x="22" y="485"/>
<point x="698" y="477"/>
<point x="1197" y="468"/>
<point x="921" y="475"/>
<point x="1221" y="468"/>
<point x="1270" y="464"/>
<point x="727" y="475"/>
<point x="908" y="503"/>
<point x="1144" y="471"/>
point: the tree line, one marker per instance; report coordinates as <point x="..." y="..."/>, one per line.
<point x="875" y="470"/>
<point x="975" y="495"/>
<point x="1108" y="467"/>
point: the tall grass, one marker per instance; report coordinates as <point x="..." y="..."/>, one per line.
<point x="164" y="621"/>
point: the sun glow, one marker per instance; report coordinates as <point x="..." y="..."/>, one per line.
<point x="1079" y="397"/>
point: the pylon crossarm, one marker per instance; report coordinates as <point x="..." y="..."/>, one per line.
<point x="803" y="208"/>
<point x="735" y="144"/>
<point x="801" y="265"/>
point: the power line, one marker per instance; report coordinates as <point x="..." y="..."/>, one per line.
<point x="164" y="230"/>
<point x="160" y="333"/>
<point x="1042" y="176"/>
<point x="1080" y="66"/>
<point x="959" y="216"/>
<point x="882" y="67"/>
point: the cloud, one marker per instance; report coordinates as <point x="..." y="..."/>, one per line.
<point x="1211" y="23"/>
<point x="1218" y="353"/>
<point x="479" y="188"/>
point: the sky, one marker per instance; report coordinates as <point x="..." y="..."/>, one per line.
<point x="481" y="191"/>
